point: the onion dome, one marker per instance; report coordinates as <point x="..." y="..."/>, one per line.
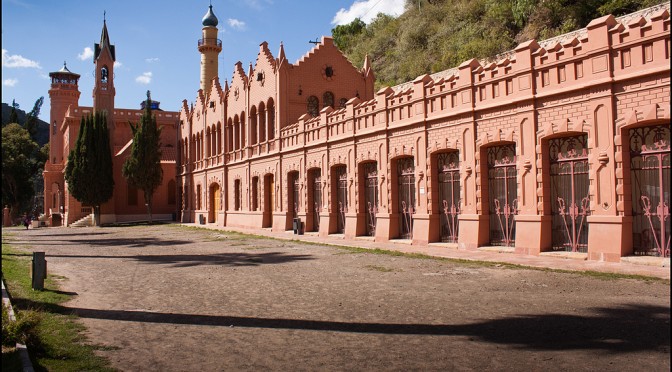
<point x="209" y="19"/>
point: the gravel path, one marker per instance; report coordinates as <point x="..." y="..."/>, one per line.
<point x="173" y="298"/>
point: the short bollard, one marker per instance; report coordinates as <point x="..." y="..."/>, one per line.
<point x="39" y="270"/>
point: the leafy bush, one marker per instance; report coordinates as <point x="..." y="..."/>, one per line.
<point x="23" y="330"/>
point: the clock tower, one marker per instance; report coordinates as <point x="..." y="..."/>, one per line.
<point x="103" y="88"/>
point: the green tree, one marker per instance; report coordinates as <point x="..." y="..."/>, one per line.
<point x="13" y="117"/>
<point x="32" y="117"/>
<point x="344" y="34"/>
<point x="143" y="169"/>
<point x="20" y="164"/>
<point x="89" y="168"/>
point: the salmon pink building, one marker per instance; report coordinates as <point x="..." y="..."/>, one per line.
<point x="557" y="145"/>
<point x="127" y="203"/>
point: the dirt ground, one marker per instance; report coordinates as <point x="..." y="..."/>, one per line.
<point x="172" y="298"/>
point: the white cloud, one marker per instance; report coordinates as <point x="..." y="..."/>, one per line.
<point x="85" y="54"/>
<point x="9" y="82"/>
<point x="145" y="78"/>
<point x="117" y="64"/>
<point x="152" y="60"/>
<point x="366" y="10"/>
<point x="236" y="24"/>
<point x="17" y="61"/>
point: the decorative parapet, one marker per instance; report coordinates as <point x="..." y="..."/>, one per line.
<point x="608" y="49"/>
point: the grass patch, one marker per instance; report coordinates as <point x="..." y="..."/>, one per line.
<point x="59" y="343"/>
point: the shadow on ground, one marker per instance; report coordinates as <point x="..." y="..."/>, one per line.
<point x="624" y="329"/>
<point x="94" y="243"/>
<point x="217" y="259"/>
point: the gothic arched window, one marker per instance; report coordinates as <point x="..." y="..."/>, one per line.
<point x="313" y="106"/>
<point x="328" y="99"/>
<point x="103" y="75"/>
<point x="342" y="102"/>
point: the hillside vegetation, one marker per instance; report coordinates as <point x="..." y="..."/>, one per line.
<point x="434" y="35"/>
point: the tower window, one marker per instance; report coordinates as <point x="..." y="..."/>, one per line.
<point x="103" y="75"/>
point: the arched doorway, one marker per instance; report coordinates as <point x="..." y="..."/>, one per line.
<point x="269" y="193"/>
<point x="502" y="193"/>
<point x="293" y="194"/>
<point x="448" y="181"/>
<point x="215" y="203"/>
<point x="314" y="199"/>
<point x="339" y="184"/>
<point x="369" y="178"/>
<point x="650" y="184"/>
<point x="570" y="201"/>
<point x="406" y="196"/>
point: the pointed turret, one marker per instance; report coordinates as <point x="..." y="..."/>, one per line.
<point x="366" y="69"/>
<point x="281" y="53"/>
<point x="104" y="58"/>
<point x="104" y="43"/>
<point x="367" y="72"/>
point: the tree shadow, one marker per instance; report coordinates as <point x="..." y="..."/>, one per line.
<point x="628" y="328"/>
<point x="70" y="234"/>
<point x="216" y="259"/>
<point x="60" y="292"/>
<point x="132" y="242"/>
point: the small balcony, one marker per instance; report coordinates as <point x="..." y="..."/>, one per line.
<point x="210" y="42"/>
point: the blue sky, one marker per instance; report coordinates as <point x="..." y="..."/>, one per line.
<point x="156" y="41"/>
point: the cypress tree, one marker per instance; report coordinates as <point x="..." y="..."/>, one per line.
<point x="143" y="169"/>
<point x="13" y="117"/>
<point x="89" y="169"/>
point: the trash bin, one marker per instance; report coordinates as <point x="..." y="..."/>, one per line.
<point x="302" y="226"/>
<point x="295" y="225"/>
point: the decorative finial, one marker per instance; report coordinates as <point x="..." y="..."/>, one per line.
<point x="65" y="64"/>
<point x="104" y="14"/>
<point x="148" y="95"/>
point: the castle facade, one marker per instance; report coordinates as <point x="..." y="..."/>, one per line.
<point x="558" y="145"/>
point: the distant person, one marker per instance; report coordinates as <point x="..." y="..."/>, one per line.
<point x="26" y="221"/>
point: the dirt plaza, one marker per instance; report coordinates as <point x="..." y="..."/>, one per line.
<point x="175" y="298"/>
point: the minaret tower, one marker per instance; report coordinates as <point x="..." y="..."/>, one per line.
<point x="209" y="46"/>
<point x="103" y="88"/>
